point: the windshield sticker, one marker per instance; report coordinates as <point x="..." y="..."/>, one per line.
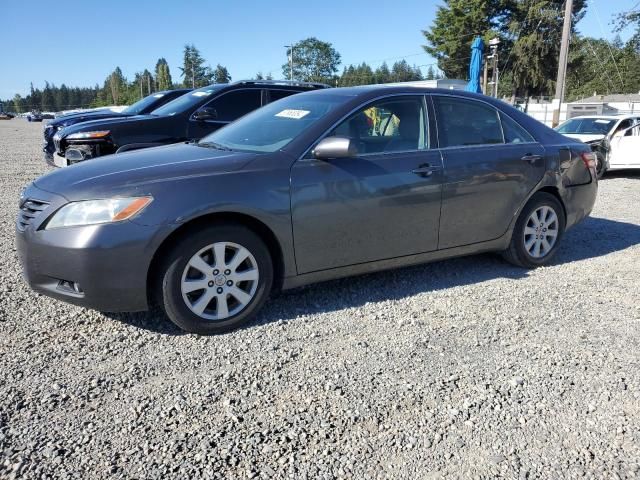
<point x="158" y="95"/>
<point x="201" y="94"/>
<point x="603" y="121"/>
<point x="291" y="113"/>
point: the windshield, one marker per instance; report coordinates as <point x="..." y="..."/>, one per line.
<point x="187" y="101"/>
<point x="140" y="105"/>
<point x="590" y="126"/>
<point x="270" y="128"/>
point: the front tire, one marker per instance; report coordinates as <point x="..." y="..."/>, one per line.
<point x="216" y="279"/>
<point x="601" y="165"/>
<point x="537" y="232"/>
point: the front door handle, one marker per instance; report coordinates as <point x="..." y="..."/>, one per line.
<point x="425" y="170"/>
<point x="531" y="158"/>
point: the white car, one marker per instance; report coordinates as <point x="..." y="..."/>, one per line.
<point x="615" y="139"/>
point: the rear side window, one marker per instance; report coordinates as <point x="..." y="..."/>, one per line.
<point x="278" y="94"/>
<point x="464" y="122"/>
<point x="233" y="105"/>
<point x="513" y="132"/>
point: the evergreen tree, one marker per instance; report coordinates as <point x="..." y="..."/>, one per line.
<point x="403" y="72"/>
<point x="431" y="74"/>
<point x="62" y="98"/>
<point x="194" y="72"/>
<point x="47" y="100"/>
<point x="454" y="27"/>
<point x="163" y="75"/>
<point x="34" y="101"/>
<point x="383" y="74"/>
<point x="221" y="75"/>
<point x="535" y="29"/>
<point x="117" y="86"/>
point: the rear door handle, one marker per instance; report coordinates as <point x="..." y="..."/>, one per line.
<point x="425" y="170"/>
<point x="531" y="158"/>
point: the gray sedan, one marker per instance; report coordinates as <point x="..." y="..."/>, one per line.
<point x="313" y="187"/>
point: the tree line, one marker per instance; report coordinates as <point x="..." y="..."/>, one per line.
<point x="529" y="32"/>
<point x="116" y="89"/>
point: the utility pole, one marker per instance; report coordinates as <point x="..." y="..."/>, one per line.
<point x="493" y="45"/>
<point x="193" y="75"/>
<point x="290" y="51"/>
<point x="149" y="83"/>
<point x="562" y="63"/>
<point x="485" y="76"/>
<point x="141" y="94"/>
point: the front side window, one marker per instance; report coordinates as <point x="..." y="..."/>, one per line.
<point x="275" y="125"/>
<point x="622" y="126"/>
<point x="513" y="132"/>
<point x="389" y="125"/>
<point x="234" y="105"/>
<point x="464" y="122"/>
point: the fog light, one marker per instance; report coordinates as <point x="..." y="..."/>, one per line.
<point x="69" y="286"/>
<point x="73" y="155"/>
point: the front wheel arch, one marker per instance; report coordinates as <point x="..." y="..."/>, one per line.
<point x="222" y="218"/>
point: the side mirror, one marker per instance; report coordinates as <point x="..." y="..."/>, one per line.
<point x="206" y="113"/>
<point x="335" y="147"/>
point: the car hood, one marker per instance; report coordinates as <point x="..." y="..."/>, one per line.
<point x="73" y="118"/>
<point x="131" y="173"/>
<point x="584" y="137"/>
<point x="107" y="123"/>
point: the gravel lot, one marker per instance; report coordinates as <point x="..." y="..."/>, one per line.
<point x="468" y="368"/>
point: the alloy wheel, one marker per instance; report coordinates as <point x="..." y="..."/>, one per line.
<point x="220" y="280"/>
<point x="541" y="231"/>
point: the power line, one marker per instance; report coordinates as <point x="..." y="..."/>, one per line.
<point x="608" y="44"/>
<point x="607" y="78"/>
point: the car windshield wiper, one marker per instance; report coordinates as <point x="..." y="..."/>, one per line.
<point x="215" y="145"/>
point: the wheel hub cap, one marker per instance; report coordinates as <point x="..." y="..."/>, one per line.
<point x="214" y="295"/>
<point x="541" y="232"/>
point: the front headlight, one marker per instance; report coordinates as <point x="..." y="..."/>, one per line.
<point x="88" y="135"/>
<point x="92" y="212"/>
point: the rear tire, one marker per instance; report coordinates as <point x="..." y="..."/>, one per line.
<point x="537" y="232"/>
<point x="216" y="279"/>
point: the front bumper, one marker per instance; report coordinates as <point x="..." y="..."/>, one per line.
<point x="103" y="267"/>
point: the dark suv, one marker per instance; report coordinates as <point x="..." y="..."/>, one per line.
<point x="146" y="105"/>
<point x="190" y="117"/>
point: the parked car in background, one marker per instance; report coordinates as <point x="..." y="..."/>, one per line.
<point x="312" y="187"/>
<point x="600" y="131"/>
<point x="34" y="116"/>
<point x="189" y="117"/>
<point x="141" y="107"/>
<point x="6" y="116"/>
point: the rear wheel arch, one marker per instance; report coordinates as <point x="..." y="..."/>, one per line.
<point x="556" y="193"/>
<point x="221" y="218"/>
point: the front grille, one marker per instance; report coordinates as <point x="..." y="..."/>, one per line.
<point x="29" y="210"/>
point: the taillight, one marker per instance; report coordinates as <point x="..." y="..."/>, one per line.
<point x="589" y="159"/>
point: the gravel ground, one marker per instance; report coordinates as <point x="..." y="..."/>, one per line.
<point x="468" y="368"/>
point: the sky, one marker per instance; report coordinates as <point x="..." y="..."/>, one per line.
<point x="79" y="42"/>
